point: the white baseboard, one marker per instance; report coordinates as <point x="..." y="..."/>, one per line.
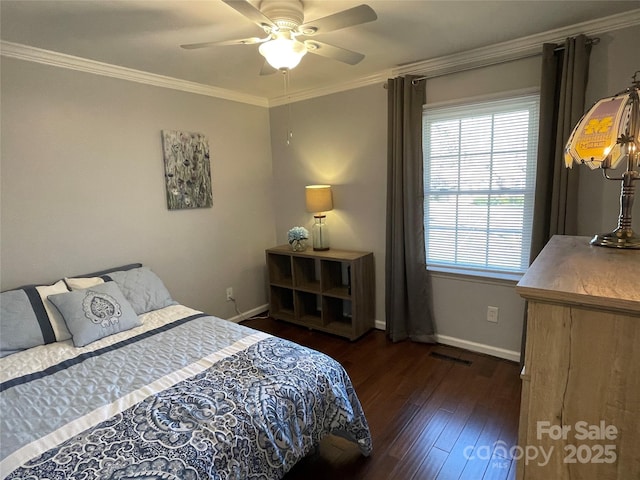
<point x="249" y="313"/>
<point x="443" y="339"/>
<point x="468" y="345"/>
<point x="479" y="347"/>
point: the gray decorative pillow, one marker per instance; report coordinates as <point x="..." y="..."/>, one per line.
<point x="95" y="312"/>
<point x="143" y="288"/>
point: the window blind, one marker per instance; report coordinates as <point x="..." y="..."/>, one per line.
<point x="479" y="181"/>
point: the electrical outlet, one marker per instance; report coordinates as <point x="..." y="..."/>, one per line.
<point x="229" y="294"/>
<point x="492" y="314"/>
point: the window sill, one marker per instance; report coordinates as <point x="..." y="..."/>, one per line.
<point x="475" y="275"/>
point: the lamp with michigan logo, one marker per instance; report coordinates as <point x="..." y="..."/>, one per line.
<point x="607" y="136"/>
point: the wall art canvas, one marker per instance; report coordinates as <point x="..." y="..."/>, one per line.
<point x="187" y="169"/>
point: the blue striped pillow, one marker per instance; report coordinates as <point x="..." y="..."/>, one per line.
<point x="28" y="319"/>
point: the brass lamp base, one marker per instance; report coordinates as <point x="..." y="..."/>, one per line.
<point x="619" y="238"/>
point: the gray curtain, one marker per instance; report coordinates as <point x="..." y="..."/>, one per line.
<point x="565" y="71"/>
<point x="407" y="284"/>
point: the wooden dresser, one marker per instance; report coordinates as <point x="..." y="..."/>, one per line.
<point x="580" y="407"/>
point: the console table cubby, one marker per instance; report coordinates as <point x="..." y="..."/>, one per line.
<point x="331" y="291"/>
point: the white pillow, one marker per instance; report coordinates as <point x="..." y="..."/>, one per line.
<point x="57" y="322"/>
<point x="80" y="283"/>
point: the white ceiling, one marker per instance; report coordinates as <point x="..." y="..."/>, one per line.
<point x="145" y="35"/>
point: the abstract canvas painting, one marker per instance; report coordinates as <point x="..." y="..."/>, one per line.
<point x="187" y="169"/>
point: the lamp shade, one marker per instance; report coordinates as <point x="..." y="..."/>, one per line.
<point x="606" y="135"/>
<point x="284" y="52"/>
<point x="319" y="198"/>
<point x="594" y="140"/>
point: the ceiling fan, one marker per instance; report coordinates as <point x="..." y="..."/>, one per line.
<point x="286" y="42"/>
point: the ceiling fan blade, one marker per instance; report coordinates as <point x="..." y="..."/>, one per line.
<point x="346" y="18"/>
<point x="252" y="13"/>
<point x="241" y="41"/>
<point x="331" y="51"/>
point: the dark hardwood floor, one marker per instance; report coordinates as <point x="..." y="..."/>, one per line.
<point x="431" y="417"/>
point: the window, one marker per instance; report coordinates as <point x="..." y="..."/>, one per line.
<point x="479" y="180"/>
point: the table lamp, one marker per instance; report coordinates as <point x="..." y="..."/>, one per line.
<point x="609" y="133"/>
<point x="319" y="200"/>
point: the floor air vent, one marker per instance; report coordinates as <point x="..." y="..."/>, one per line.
<point x="442" y="356"/>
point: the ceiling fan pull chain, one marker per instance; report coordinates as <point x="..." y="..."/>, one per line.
<point x="286" y="74"/>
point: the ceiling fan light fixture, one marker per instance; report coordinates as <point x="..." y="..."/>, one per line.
<point x="283" y="53"/>
<point x="283" y="21"/>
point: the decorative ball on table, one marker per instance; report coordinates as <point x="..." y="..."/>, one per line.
<point x="298" y="237"/>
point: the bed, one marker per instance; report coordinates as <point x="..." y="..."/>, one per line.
<point x="163" y="392"/>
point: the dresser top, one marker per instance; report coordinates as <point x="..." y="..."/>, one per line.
<point x="570" y="270"/>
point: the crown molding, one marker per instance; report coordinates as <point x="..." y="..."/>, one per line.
<point x="516" y="49"/>
<point x="476" y="58"/>
<point x="56" y="59"/>
<point x="480" y="57"/>
<point x="377" y="78"/>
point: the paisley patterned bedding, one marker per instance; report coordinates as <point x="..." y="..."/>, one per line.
<point x="185" y="396"/>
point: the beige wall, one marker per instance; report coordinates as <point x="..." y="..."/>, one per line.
<point x="327" y="148"/>
<point x="340" y="140"/>
<point x="83" y="185"/>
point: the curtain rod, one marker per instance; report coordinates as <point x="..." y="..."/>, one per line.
<point x="559" y="48"/>
<point x="590" y="41"/>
